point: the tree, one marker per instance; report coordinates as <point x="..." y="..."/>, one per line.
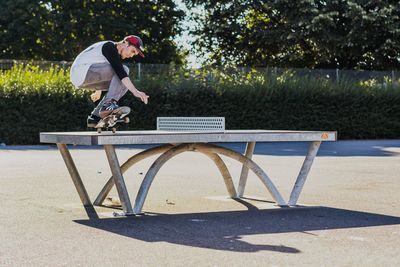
<point x="60" y="29"/>
<point x="352" y="34"/>
<point x="20" y="28"/>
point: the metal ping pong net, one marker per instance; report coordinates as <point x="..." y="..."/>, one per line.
<point x="191" y="124"/>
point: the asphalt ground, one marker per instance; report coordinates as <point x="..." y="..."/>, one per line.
<point x="348" y="215"/>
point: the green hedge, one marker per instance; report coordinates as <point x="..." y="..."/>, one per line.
<point x="33" y="101"/>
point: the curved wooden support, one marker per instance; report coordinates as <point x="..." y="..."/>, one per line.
<point x="157" y="150"/>
<point x="207" y="149"/>
<point x="124" y="167"/>
<point x="249" y="164"/>
<point x="151" y="173"/>
<point x="225" y="173"/>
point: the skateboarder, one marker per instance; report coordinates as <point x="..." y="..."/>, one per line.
<point x="99" y="68"/>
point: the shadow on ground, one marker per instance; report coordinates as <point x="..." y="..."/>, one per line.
<point x="224" y="230"/>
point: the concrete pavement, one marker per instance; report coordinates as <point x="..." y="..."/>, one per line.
<point x="350" y="212"/>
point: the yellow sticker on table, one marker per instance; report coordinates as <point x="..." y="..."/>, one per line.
<point x="324" y="136"/>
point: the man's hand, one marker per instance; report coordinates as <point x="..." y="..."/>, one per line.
<point x="128" y="83"/>
<point x="95" y="96"/>
<point x="142" y="96"/>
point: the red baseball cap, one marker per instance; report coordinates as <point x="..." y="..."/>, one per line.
<point x="136" y="42"/>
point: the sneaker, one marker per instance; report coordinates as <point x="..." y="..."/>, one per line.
<point x="108" y="107"/>
<point x="92" y="120"/>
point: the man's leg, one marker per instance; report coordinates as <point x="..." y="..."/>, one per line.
<point x="115" y="92"/>
<point x="98" y="78"/>
<point x="117" y="89"/>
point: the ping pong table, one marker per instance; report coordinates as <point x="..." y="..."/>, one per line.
<point x="171" y="143"/>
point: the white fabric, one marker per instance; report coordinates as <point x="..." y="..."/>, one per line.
<point x="84" y="60"/>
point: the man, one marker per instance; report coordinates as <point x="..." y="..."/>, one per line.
<point x="99" y="68"/>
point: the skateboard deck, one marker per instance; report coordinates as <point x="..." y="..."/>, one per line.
<point x="116" y="116"/>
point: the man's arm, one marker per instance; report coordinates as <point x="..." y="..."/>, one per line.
<point x="111" y="53"/>
<point x="95" y="95"/>
<point x="128" y="84"/>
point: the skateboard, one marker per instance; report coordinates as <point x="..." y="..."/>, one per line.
<point x="116" y="116"/>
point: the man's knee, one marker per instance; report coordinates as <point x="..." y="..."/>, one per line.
<point x="126" y="69"/>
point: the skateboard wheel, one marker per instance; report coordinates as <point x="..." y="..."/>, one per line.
<point x="113" y="129"/>
<point x="98" y="130"/>
<point x="126" y="120"/>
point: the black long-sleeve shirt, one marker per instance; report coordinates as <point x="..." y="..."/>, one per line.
<point x="110" y="51"/>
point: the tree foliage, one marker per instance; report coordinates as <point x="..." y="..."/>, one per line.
<point x="60" y="29"/>
<point x="354" y="34"/>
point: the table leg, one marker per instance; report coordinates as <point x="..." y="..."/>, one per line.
<point x="74" y="174"/>
<point x="128" y="164"/>
<point x="118" y="179"/>
<point x="245" y="170"/>
<point x="301" y="178"/>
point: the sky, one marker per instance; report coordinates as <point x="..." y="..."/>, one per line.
<point x="184" y="40"/>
